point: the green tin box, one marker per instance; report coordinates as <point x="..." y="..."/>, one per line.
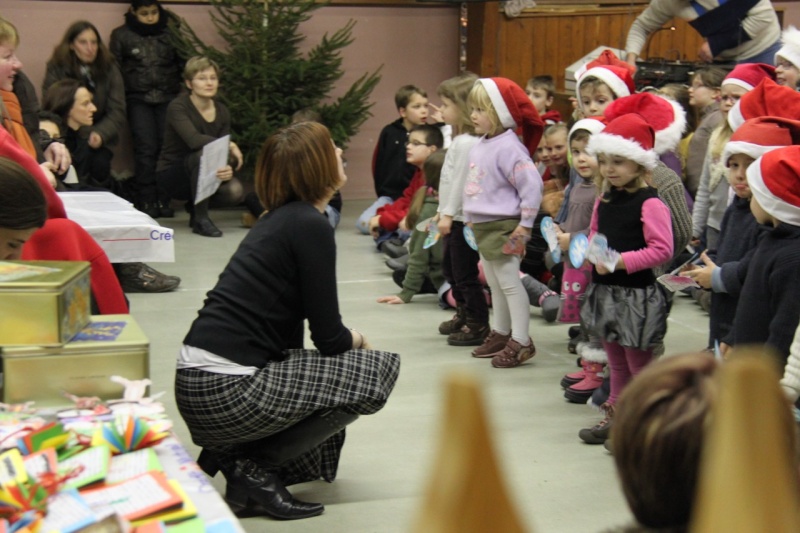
<point x="110" y="345"/>
<point x="43" y="303"/>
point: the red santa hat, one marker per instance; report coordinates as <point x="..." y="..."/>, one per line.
<point x="774" y="179"/>
<point x="790" y="51"/>
<point x="514" y="109"/>
<point x="768" y="99"/>
<point x="593" y="125"/>
<point x="629" y="136"/>
<point x="609" y="69"/>
<point x="666" y="116"/>
<point x="760" y="135"/>
<point x="748" y="75"/>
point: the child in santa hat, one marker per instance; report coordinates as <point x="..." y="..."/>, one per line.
<point x="712" y="193"/>
<point x="769" y="304"/>
<point x="724" y="269"/>
<point x="600" y="82"/>
<point x="624" y="306"/>
<point x="787" y="59"/>
<point x="502" y="195"/>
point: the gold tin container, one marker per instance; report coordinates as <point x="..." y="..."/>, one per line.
<point x="80" y="367"/>
<point x="45" y="309"/>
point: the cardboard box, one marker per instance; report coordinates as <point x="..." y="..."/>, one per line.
<point x="81" y="367"/>
<point x="43" y="303"/>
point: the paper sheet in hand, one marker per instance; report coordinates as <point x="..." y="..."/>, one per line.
<point x="215" y="156"/>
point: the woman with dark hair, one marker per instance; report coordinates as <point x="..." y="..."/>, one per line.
<point x="81" y="55"/>
<point x="23" y="208"/>
<point x="267" y="412"/>
<point x="73" y="103"/>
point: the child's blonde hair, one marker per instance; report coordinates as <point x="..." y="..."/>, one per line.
<point x="640" y="182"/>
<point x="479" y="99"/>
<point x="719" y="138"/>
<point x="432" y="169"/>
<point x="457" y="90"/>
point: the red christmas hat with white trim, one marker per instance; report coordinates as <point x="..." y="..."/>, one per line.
<point x="768" y="99"/>
<point x="629" y="136"/>
<point x="774" y="179"/>
<point x="760" y="135"/>
<point x="515" y="109"/>
<point x="666" y="116"/>
<point x="748" y="75"/>
<point x="612" y="71"/>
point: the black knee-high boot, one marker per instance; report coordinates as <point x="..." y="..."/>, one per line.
<point x="252" y="483"/>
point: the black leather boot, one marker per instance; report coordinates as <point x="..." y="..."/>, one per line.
<point x="302" y="437"/>
<point x="253" y="489"/>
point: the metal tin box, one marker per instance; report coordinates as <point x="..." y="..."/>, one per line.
<point x="43" y="303"/>
<point x="114" y="345"/>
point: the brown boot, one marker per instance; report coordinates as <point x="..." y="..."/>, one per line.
<point x="599" y="433"/>
<point x="493" y="342"/>
<point x="472" y="334"/>
<point x="458" y="321"/>
<point x="514" y="354"/>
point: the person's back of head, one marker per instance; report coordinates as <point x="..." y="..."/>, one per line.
<point x="306" y="114"/>
<point x="23" y="208"/>
<point x="297" y="163"/>
<point x="658" y="435"/>
<point x="432" y="170"/>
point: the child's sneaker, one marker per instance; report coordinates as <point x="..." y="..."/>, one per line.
<point x="514" y="354"/>
<point x="492" y="344"/>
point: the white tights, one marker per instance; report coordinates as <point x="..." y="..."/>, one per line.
<point x="509" y="300"/>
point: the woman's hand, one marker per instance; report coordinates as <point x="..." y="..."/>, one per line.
<point x="235" y="152"/>
<point x="225" y="173"/>
<point x="704" y="53"/>
<point x="95" y="141"/>
<point x="58" y="155"/>
<point x="393" y="300"/>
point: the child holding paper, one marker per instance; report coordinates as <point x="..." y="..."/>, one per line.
<point x="623" y="306"/>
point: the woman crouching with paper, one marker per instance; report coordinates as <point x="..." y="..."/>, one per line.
<point x="267" y="412"/>
<point x="193" y="121"/>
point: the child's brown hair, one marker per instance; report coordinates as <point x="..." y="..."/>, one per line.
<point x="432" y="169"/>
<point x="403" y="95"/>
<point x="544" y="82"/>
<point x="457" y="90"/>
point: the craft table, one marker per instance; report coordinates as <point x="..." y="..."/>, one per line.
<point x="126" y="234"/>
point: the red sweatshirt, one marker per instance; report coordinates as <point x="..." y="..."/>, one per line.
<point x="391" y="214"/>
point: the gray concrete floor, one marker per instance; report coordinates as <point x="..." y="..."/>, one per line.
<point x="558" y="483"/>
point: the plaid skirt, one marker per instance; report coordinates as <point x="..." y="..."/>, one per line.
<point x="225" y="412"/>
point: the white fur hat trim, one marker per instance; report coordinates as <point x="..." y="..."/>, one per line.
<point x="790" y="51"/>
<point x="735" y="117"/>
<point x="668" y="138"/>
<point x="500" y="106"/>
<point x="591" y="125"/>
<point x="740" y="147"/>
<point x="617" y="86"/>
<point x="604" y="143"/>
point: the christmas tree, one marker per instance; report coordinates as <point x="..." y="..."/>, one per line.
<point x="265" y="77"/>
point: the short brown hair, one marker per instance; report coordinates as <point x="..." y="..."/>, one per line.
<point x="544" y="82"/>
<point x="403" y="95"/>
<point x="658" y="434"/>
<point x="580" y="135"/>
<point x="22" y="204"/>
<point x="593" y="83"/>
<point x="457" y="90"/>
<point x="198" y="64"/>
<point x="296" y="163"/>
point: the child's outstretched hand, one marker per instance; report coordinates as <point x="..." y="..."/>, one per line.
<point x="393" y="300"/>
<point x="563" y="240"/>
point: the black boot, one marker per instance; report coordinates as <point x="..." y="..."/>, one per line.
<point x="253" y="489"/>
